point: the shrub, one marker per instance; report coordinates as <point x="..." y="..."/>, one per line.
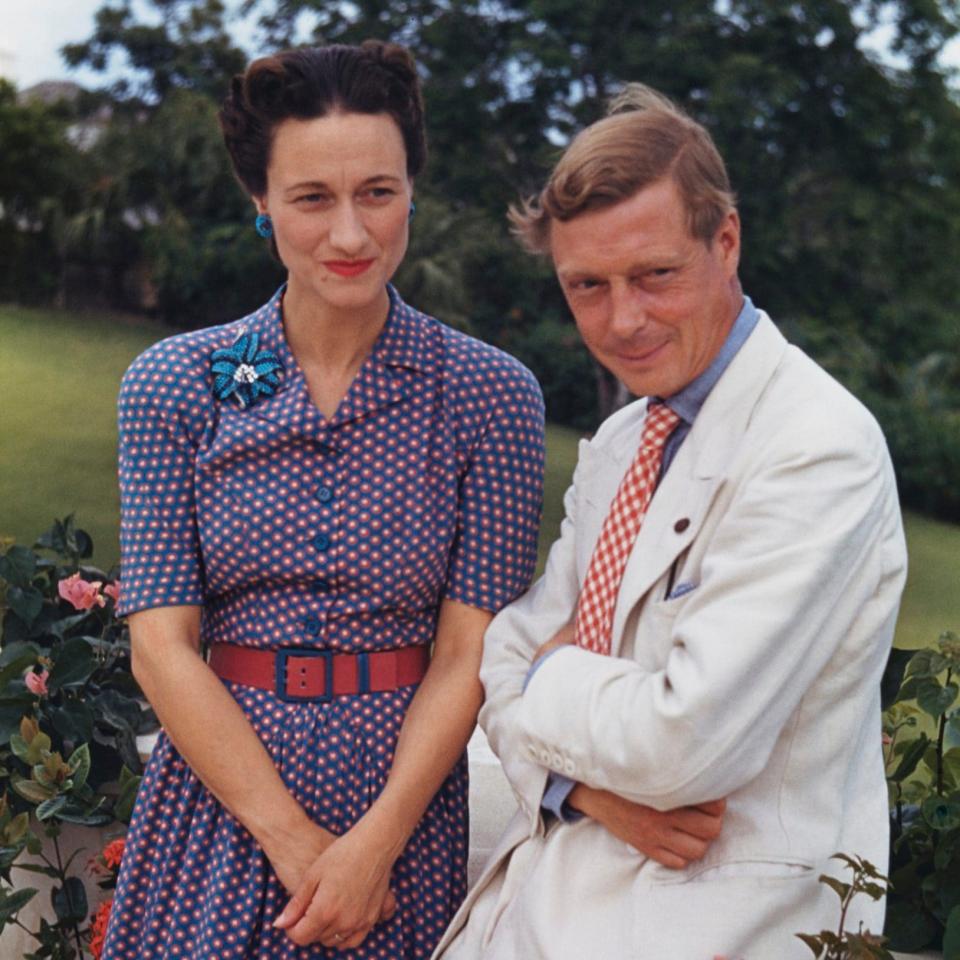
<point x="70" y="712"/>
<point x="922" y="737"/>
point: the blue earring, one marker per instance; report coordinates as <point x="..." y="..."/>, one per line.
<point x="264" y="225"/>
<point x="413" y="210"/>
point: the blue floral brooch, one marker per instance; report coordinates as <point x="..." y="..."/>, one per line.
<point x="244" y="371"/>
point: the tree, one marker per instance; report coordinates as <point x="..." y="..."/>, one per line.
<point x="41" y="182"/>
<point x="848" y="168"/>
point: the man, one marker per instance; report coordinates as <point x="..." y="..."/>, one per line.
<point x="714" y="620"/>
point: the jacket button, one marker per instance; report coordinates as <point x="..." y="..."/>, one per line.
<point x="681" y="525"/>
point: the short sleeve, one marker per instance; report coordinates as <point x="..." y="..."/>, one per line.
<point x="159" y="544"/>
<point x="498" y="516"/>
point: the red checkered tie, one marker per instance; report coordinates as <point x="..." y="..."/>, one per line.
<point x="598" y="595"/>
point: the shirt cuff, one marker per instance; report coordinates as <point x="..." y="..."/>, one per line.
<point x="555" y="796"/>
<point x="538" y="663"/>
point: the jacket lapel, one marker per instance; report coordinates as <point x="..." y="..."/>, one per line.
<point x="682" y="500"/>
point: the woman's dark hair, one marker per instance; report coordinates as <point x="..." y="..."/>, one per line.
<point x="308" y="82"/>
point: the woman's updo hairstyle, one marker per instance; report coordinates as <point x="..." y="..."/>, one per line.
<point x="309" y="82"/>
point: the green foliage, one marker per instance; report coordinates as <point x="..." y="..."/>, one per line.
<point x="848" y="171"/>
<point x="70" y="712"/>
<point x="844" y="944"/>
<point x="41" y="178"/>
<point x="923" y="773"/>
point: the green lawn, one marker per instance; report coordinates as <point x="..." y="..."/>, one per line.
<point x="58" y="392"/>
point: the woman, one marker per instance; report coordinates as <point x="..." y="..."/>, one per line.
<point x="316" y="493"/>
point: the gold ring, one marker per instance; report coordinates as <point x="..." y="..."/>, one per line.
<point x="338" y="937"/>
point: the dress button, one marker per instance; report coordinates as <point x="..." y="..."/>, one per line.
<point x="324" y="494"/>
<point x="321" y="541"/>
<point x="311" y="625"/>
<point x="321" y="583"/>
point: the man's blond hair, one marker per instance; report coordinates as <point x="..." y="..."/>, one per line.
<point x="644" y="138"/>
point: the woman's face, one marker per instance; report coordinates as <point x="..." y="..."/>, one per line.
<point x="339" y="197"/>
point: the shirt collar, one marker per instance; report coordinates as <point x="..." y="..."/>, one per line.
<point x="403" y="341"/>
<point x="686" y="403"/>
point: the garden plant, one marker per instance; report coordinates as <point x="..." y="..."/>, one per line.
<point x="922" y="744"/>
<point x="70" y="713"/>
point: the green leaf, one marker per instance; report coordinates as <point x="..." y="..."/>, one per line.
<point x="940" y="813"/>
<point x="936" y="699"/>
<point x="14" y="650"/>
<point x="65" y="539"/>
<point x="12" y="903"/>
<point x="33" y="791"/>
<point x="30" y="753"/>
<point x="120" y="712"/>
<point x="79" y="764"/>
<point x="50" y="808"/>
<point x="18" y="565"/>
<point x="951" y="736"/>
<point x="17" y="828"/>
<point x="912" y="755"/>
<point x="12" y="709"/>
<point x="25" y="657"/>
<point x="73" y="663"/>
<point x="73" y="813"/>
<point x="816" y="947"/>
<point x="73" y="721"/>
<point x="838" y="886"/>
<point x="951" y="936"/>
<point x="70" y="901"/>
<point x="123" y="807"/>
<point x="926" y="663"/>
<point x="59" y="627"/>
<point x="25" y="602"/>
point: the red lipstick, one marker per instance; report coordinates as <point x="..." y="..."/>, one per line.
<point x="347" y="268"/>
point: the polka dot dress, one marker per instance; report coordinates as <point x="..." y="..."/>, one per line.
<point x="342" y="534"/>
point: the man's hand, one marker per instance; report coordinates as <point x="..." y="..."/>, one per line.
<point x="673" y="838"/>
<point x="563" y="637"/>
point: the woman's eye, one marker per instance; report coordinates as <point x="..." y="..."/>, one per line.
<point x="311" y="198"/>
<point x="380" y="193"/>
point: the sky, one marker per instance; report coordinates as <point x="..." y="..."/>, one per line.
<point x="32" y="31"/>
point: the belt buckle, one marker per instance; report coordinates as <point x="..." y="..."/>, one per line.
<point x="280" y="674"/>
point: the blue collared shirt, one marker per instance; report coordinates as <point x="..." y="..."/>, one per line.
<point x="686" y="404"/>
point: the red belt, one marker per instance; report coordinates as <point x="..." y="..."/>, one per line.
<point x="295" y="674"/>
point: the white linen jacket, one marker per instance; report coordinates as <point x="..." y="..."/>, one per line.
<point x="761" y="683"/>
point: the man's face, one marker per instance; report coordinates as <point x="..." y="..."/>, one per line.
<point x="652" y="303"/>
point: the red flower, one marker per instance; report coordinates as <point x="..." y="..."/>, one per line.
<point x="113" y="853"/>
<point x="98" y="928"/>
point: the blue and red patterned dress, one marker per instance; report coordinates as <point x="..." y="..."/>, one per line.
<point x="292" y="530"/>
